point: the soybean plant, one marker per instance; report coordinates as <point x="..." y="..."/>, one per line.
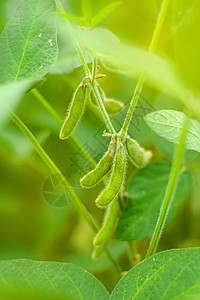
<point x="114" y="161"/>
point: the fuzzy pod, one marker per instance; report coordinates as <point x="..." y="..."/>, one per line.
<point x="113" y="106"/>
<point x="138" y="156"/>
<point x="110" y="220"/>
<point x="116" y="179"/>
<point x="75" y="112"/>
<point x="103" y="167"/>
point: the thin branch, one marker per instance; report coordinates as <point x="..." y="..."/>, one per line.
<point x="139" y="86"/>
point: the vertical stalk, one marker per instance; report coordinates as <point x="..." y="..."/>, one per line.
<point x="53" y="168"/>
<point x="139" y="86"/>
<point x="88" y="74"/>
<point x="170" y="191"/>
<point x="102" y="107"/>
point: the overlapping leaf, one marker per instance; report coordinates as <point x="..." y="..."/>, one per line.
<point x="169" y="124"/>
<point x="28" y="49"/>
<point x="173" y="274"/>
<point x="60" y="279"/>
<point x="28" y="46"/>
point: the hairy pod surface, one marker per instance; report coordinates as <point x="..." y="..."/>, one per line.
<point x="109" y="224"/>
<point x="103" y="167"/>
<point x="75" y="112"/>
<point x="116" y="179"/>
<point x="138" y="156"/>
<point x="113" y="106"/>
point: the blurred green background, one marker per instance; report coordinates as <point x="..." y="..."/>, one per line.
<point x="30" y="225"/>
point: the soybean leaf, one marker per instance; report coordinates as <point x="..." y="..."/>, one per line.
<point x="169" y="123"/>
<point x="28" y="46"/>
<point x="62" y="279"/>
<point x="172" y="274"/>
<point x="146" y="191"/>
<point x="104" y="13"/>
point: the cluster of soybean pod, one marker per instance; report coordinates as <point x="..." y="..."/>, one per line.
<point x="111" y="166"/>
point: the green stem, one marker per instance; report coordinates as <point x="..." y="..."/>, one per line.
<point x="88" y="74"/>
<point x="102" y="107"/>
<point x="78" y="48"/>
<point x="56" y="116"/>
<point x="139" y="86"/>
<point x="131" y="252"/>
<point x="55" y="170"/>
<point x="132" y="107"/>
<point x="170" y="191"/>
<point x="114" y="262"/>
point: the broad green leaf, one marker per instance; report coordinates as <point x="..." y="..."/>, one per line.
<point x="10" y="94"/>
<point x="78" y="20"/>
<point x="61" y="279"/>
<point x="172" y="274"/>
<point x="169" y="124"/>
<point x="28" y="46"/>
<point x="146" y="191"/>
<point x="104" y="13"/>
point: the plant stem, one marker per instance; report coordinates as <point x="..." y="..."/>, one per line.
<point x="139" y="86"/>
<point x="88" y="74"/>
<point x="102" y="107"/>
<point x="53" y="168"/>
<point x="56" y="116"/>
<point x="170" y="191"/>
<point x="78" y="48"/>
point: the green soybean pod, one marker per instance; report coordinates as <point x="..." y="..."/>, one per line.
<point x="138" y="156"/>
<point x="109" y="224"/>
<point x="103" y="167"/>
<point x="113" y="106"/>
<point x="75" y="112"/>
<point x="116" y="179"/>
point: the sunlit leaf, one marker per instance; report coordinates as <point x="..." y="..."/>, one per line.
<point x="169" y="124"/>
<point x="62" y="279"/>
<point x="28" y="46"/>
<point x="173" y="274"/>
